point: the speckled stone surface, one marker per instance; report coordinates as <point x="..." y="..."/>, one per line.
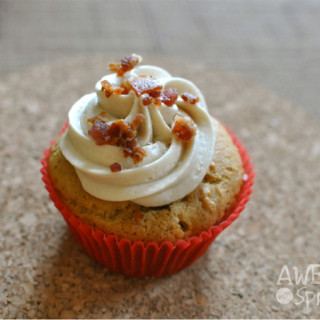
<point x="45" y="274"/>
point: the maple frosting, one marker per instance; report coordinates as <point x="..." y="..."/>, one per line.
<point x="169" y="167"/>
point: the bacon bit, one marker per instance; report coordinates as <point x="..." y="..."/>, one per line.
<point x="141" y="85"/>
<point x="190" y="98"/>
<point x="119" y="133"/>
<point x="137" y="154"/>
<point x="115" y="167"/>
<point x="102" y="117"/>
<point x="169" y="97"/>
<point x="147" y="100"/>
<point x="136" y="122"/>
<point x="125" y="85"/>
<point x="155" y="94"/>
<point x="99" y="131"/>
<point x="109" y="89"/>
<point x="183" y="128"/>
<point x="118" y="91"/>
<point x="127" y="64"/>
<point x="157" y="102"/>
<point x="106" y="87"/>
<point x="116" y="67"/>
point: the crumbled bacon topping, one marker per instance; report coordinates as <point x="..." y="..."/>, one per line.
<point x="99" y="131"/>
<point x="152" y="88"/>
<point x="168" y="97"/>
<point x="183" y="128"/>
<point x="115" y="167"/>
<point x="141" y="85"/>
<point x="125" y="85"/>
<point x="129" y="62"/>
<point x="148" y="100"/>
<point x="101" y="116"/>
<point x="109" y="89"/>
<point x="124" y="134"/>
<point x="190" y="98"/>
<point x="155" y="94"/>
<point x="126" y="64"/>
<point x="119" y="133"/>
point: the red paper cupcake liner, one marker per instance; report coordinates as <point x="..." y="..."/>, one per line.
<point x="138" y="259"/>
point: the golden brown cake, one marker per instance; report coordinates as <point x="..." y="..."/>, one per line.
<point x="204" y="207"/>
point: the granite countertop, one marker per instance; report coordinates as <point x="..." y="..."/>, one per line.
<point x="44" y="272"/>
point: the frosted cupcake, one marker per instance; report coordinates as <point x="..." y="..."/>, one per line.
<point x="143" y="165"/>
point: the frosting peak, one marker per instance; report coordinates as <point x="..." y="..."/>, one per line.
<point x="174" y="136"/>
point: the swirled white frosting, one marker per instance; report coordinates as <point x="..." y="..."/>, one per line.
<point x="171" y="168"/>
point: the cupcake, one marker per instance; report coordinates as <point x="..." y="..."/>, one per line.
<point x="143" y="175"/>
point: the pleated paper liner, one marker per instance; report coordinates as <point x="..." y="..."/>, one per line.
<point x="138" y="259"/>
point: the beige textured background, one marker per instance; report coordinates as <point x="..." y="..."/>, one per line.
<point x="271" y="42"/>
<point x="43" y="272"/>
